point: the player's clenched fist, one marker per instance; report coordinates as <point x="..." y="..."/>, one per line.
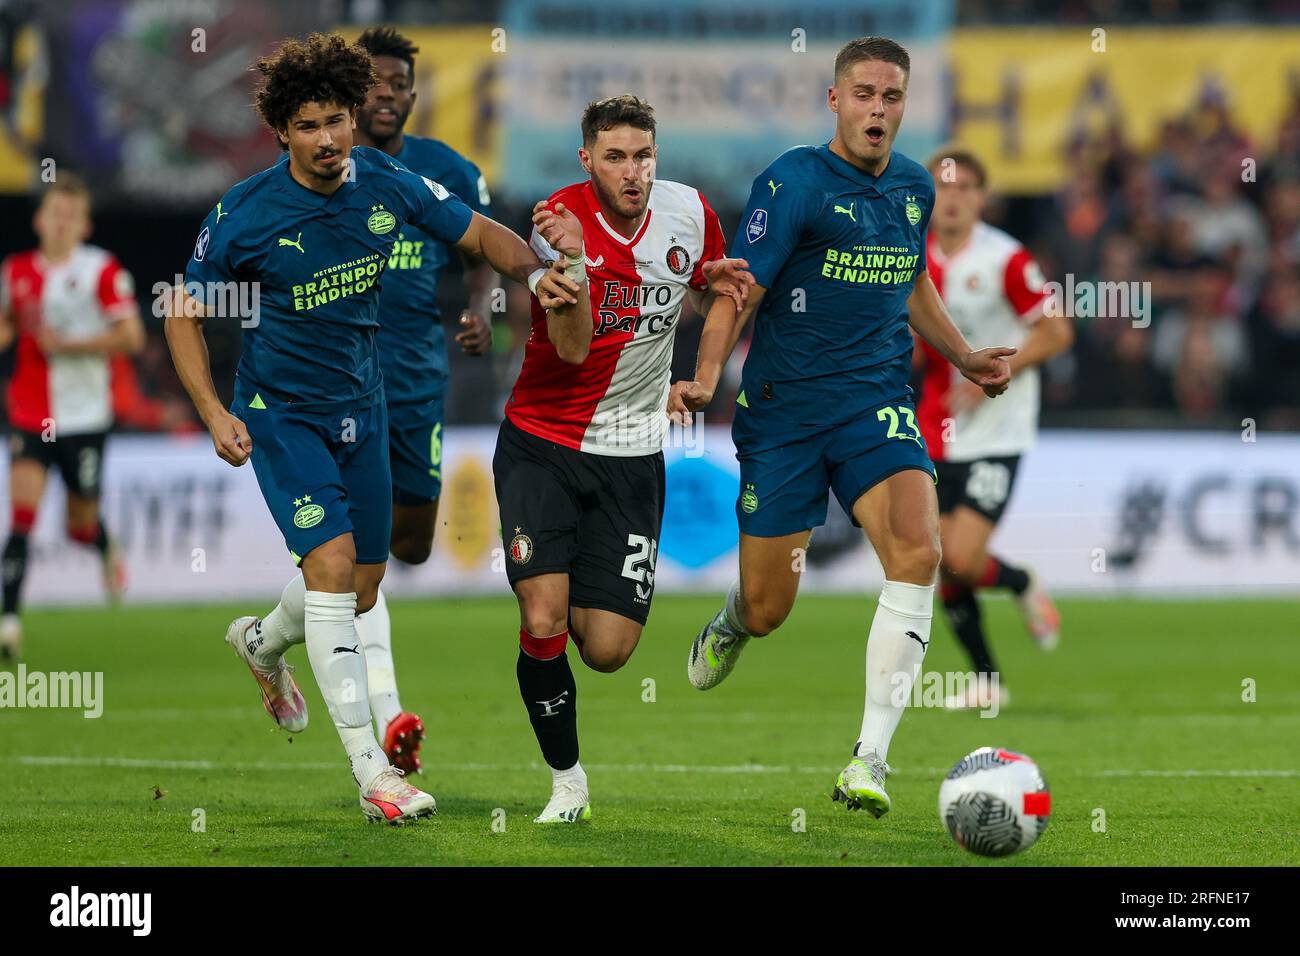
<point x="231" y="438"/>
<point x="559" y="227"/>
<point x="988" y="369"/>
<point x="686" y="397"/>
<point x="729" y="277"/>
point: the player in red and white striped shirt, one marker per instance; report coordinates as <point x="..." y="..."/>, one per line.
<point x="994" y="291"/>
<point x="579" y="467"/>
<point x="67" y="307"/>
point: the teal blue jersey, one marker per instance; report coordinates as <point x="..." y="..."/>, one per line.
<point x="412" y="348"/>
<point x="839" y="252"/>
<point x="311" y="265"/>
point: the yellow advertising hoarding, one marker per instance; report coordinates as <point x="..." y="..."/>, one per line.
<point x="1018" y="95"/>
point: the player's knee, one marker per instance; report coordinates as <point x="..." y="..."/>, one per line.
<point x="763" y="612"/>
<point x="411" y="549"/>
<point x="607" y="657"/>
<point x="915" y="560"/>
<point x="959" y="565"/>
<point x="329" y="569"/>
<point x="542" y="621"/>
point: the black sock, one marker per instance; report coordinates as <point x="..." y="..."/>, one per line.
<point x="964" y="615"/>
<point x="13" y="568"/>
<point x="1010" y="576"/>
<point x="550" y="696"/>
<point x="101" y="540"/>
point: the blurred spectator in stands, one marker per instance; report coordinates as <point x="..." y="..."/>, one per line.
<point x="1273" y="328"/>
<point x="1201" y="348"/>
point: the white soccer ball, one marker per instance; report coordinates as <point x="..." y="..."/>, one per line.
<point x="995" y="802"/>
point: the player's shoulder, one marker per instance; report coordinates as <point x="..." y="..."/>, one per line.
<point x="669" y="195"/>
<point x="371" y="160"/>
<point x="907" y="173"/>
<point x="24" y="261"/>
<point x="434" y="153"/>
<point x="995" y="243"/>
<point x="795" y="161"/>
<point x="250" y="200"/>
<point x="96" y="257"/>
<point x="575" y="196"/>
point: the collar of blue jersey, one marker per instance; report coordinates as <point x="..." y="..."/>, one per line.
<point x="846" y="169"/>
<point x="297" y="191"/>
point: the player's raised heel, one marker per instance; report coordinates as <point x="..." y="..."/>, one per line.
<point x="1042" y="619"/>
<point x="714" y="653"/>
<point x="280" y="694"/>
<point x="390" y="799"/>
<point x="861" y="785"/>
<point x="402" y="739"/>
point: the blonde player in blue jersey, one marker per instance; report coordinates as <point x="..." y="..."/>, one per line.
<point x="835" y="238"/>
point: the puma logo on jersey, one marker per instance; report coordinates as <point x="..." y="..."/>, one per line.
<point x="220" y="214"/>
<point x="847" y="211"/>
<point x="774" y="186"/>
<point x="296" y="243"/>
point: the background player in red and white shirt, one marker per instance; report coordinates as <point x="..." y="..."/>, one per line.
<point x="579" y="464"/>
<point x="67" y="308"/>
<point x="994" y="291"/>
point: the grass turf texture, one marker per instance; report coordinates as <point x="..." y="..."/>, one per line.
<point x="1139" y="714"/>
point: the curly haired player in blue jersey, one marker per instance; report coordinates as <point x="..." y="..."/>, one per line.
<point x="314" y="233"/>
<point x="835" y="238"/>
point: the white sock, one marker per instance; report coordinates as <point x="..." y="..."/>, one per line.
<point x="376" y="636"/>
<point x="575" y="775"/>
<point x="283" y="627"/>
<point x="732" y="618"/>
<point x="339" y="664"/>
<point x="893" y="660"/>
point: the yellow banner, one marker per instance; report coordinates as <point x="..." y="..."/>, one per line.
<point x="1019" y="95"/>
<point x="456" y="88"/>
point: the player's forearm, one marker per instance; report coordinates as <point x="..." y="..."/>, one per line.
<point x="1048" y="337"/>
<point x="722" y="329"/>
<point x="928" y="316"/>
<point x="504" y="251"/>
<point x="125" y="336"/>
<point x="190" y="356"/>
<point x="570" y="328"/>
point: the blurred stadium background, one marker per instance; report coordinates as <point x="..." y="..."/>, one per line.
<point x="1164" y="149"/>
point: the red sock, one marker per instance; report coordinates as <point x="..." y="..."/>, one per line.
<point x="86" y="535"/>
<point x="543" y="648"/>
<point x="989" y="577"/>
<point x="23" y="519"/>
<point x="951" y="590"/>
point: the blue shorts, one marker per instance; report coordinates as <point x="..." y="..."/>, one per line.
<point x="324" y="474"/>
<point x="786" y="470"/>
<point x="415" y="451"/>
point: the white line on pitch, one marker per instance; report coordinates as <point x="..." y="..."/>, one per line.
<point x="142" y="763"/>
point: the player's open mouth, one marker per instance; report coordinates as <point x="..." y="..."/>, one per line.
<point x="875" y="135"/>
<point x="328" y="160"/>
<point x="384" y="113"/>
<point x="632" y="194"/>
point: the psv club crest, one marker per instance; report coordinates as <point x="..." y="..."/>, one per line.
<point x="678" y="260"/>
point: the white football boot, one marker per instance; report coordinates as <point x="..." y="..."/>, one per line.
<point x="569" y="803"/>
<point x="11" y="637"/>
<point x="390" y="799"/>
<point x="714" y="653"/>
<point x="280" y="694"/>
<point x="861" y="785"/>
<point x="1041" y="617"/>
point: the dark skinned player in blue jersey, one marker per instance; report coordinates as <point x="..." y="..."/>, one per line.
<point x="835" y="238"/>
<point x="312" y="236"/>
<point x="413" y="358"/>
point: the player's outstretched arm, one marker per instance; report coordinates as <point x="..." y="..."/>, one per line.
<point x="722" y="330"/>
<point x="184" y="331"/>
<point x="987" y="368"/>
<point x="569" y="325"/>
<point x="124" y="336"/>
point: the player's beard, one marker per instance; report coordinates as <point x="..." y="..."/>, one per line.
<point x="328" y="173"/>
<point x="619" y="204"/>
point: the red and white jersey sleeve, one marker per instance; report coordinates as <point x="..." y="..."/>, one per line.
<point x="994" y="291"/>
<point x="77" y="298"/>
<point x="615" y="402"/>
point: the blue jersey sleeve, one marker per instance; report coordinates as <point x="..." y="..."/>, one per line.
<point x="927" y="210"/>
<point x="774" y="219"/>
<point x="214" y="257"/>
<point x="429" y="205"/>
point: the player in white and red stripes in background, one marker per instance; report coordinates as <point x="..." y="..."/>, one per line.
<point x="579" y="464"/>
<point x="67" y="308"/>
<point x="994" y="291"/>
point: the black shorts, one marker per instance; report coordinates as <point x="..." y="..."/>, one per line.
<point x="983" y="485"/>
<point x="79" y="458"/>
<point x="593" y="517"/>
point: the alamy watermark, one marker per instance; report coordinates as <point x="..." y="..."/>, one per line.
<point x="57" y="690"/>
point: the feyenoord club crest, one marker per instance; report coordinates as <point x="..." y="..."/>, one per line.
<point x="679" y="260"/>
<point x="521" y="548"/>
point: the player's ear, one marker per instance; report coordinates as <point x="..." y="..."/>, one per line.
<point x="832" y="101"/>
<point x="584" y="157"/>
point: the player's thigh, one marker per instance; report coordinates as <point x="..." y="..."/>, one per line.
<point x="770" y="569"/>
<point x="82" y="512"/>
<point x="27" y="478"/>
<point x="965" y="535"/>
<point x="543" y="603"/>
<point x="361" y="449"/>
<point x="293" y="460"/>
<point x="413" y="529"/>
<point x="622" y="503"/>
<point x="81" y="465"/>
<point x="606" y="639"/>
<point x="900" y="515"/>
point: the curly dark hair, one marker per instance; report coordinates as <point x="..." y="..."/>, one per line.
<point x="385" y="41"/>
<point x="324" y="68"/>
<point x="614" y="111"/>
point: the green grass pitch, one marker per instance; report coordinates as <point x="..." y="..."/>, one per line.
<point x="1138" y="716"/>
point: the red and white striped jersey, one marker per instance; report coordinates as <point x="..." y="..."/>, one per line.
<point x="615" y="402"/>
<point x="993" y="289"/>
<point x="77" y="298"/>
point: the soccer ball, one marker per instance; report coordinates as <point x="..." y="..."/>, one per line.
<point x="995" y="802"/>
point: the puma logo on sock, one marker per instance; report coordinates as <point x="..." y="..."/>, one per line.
<point x="917" y="637"/>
